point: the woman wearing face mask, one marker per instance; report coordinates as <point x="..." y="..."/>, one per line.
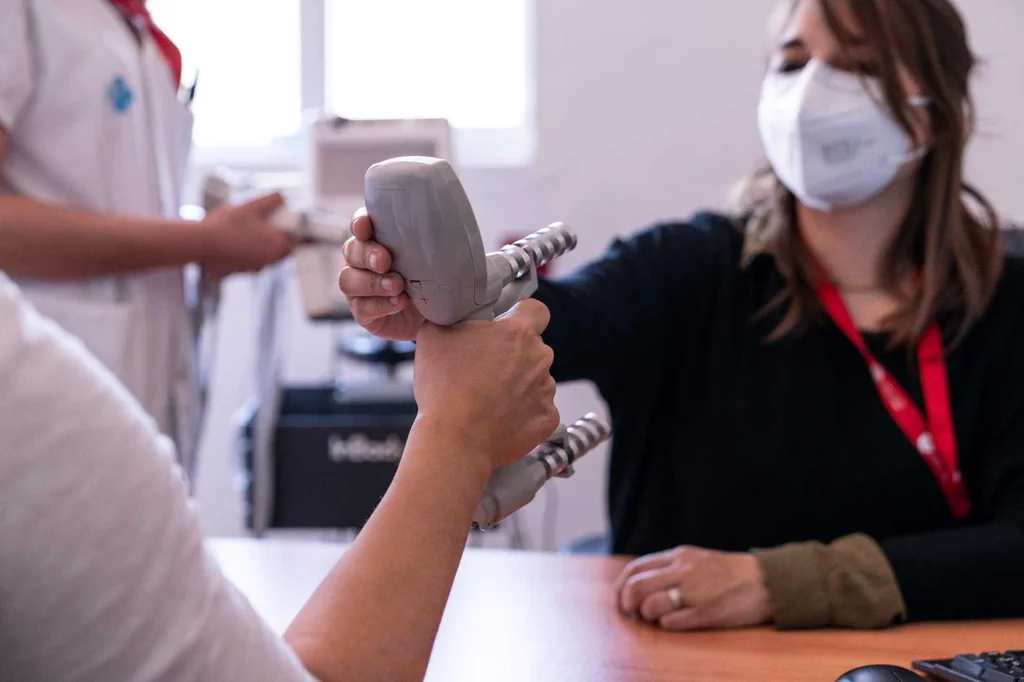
<point x="818" y="404"/>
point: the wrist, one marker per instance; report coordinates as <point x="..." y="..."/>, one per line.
<point x="183" y="241"/>
<point x="753" y="574"/>
<point x="203" y="241"/>
<point x="442" y="442"/>
<point x="208" y="242"/>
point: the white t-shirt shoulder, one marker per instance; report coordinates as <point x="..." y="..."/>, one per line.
<point x="16" y="69"/>
<point x="103" y="574"/>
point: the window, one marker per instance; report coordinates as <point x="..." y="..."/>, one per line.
<point x="464" y="60"/>
<point x="261" y="63"/>
<point x="246" y="66"/>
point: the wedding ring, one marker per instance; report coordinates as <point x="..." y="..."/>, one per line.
<point x="675" y="595"/>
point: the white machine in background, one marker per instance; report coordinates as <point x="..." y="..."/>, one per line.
<point x="321" y="456"/>
<point x="323" y="197"/>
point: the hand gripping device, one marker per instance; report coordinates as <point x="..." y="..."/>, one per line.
<point x="421" y="214"/>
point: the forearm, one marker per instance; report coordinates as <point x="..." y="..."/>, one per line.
<point x="55" y="242"/>
<point x="376" y="615"/>
<point x="963" y="573"/>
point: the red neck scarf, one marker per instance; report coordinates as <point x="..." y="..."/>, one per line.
<point x="135" y="11"/>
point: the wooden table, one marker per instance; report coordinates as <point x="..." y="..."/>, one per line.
<point x="521" y="617"/>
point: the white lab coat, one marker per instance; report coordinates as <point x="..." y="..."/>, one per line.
<point x="94" y="121"/>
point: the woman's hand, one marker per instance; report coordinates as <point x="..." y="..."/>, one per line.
<point x="712" y="589"/>
<point x="375" y="294"/>
<point x="241" y="238"/>
<point x="487" y="385"/>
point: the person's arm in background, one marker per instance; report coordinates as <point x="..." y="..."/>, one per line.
<point x="45" y="241"/>
<point x="852" y="582"/>
<point x="40" y="240"/>
<point x="613" y="316"/>
<point x="970" y="572"/>
<point x="105" y="575"/>
<point x="630" y="310"/>
<point x="958" y="574"/>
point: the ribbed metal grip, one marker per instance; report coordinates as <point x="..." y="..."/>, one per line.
<point x="580" y="437"/>
<point x="586" y="434"/>
<point x="540" y="248"/>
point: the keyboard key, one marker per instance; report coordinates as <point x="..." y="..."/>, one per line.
<point x="991" y="675"/>
<point x="972" y="666"/>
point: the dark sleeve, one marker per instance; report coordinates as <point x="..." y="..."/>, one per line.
<point x="972" y="572"/>
<point x="967" y="573"/>
<point x="976" y="572"/>
<point x="632" y="301"/>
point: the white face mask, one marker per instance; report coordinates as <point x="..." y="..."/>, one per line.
<point x="827" y="139"/>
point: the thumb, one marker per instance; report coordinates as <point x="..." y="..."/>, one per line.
<point x="535" y="313"/>
<point x="264" y="206"/>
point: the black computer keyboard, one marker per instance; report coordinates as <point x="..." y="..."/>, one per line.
<point x="993" y="666"/>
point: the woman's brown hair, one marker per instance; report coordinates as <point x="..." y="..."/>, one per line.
<point x="950" y="234"/>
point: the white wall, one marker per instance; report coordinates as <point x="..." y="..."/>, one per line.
<point x="645" y="110"/>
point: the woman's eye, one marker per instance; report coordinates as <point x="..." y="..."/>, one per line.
<point x="790" y="67"/>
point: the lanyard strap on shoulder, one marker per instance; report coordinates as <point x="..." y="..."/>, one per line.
<point x="934" y="437"/>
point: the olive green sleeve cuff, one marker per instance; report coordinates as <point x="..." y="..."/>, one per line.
<point x="848" y="583"/>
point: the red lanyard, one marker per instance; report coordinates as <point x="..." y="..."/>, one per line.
<point x="136" y="12"/>
<point x="935" y="438"/>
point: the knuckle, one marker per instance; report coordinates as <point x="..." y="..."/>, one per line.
<point x="365" y="308"/>
<point x="347" y="248"/>
<point x="375" y="285"/>
<point x="529" y="305"/>
<point x="358" y="307"/>
<point x="551" y="420"/>
<point x="343" y="278"/>
<point x="628" y="592"/>
<point x="367" y="253"/>
<point x="348" y="280"/>
<point x="534" y="306"/>
<point x="670" y="622"/>
<point x="519" y="328"/>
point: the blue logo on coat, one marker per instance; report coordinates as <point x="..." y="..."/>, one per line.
<point x="120" y="94"/>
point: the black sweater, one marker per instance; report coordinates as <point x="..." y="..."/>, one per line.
<point x="727" y="441"/>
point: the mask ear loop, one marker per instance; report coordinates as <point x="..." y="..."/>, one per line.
<point x="918" y="102"/>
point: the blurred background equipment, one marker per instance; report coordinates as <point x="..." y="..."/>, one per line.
<point x="321" y="456"/>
